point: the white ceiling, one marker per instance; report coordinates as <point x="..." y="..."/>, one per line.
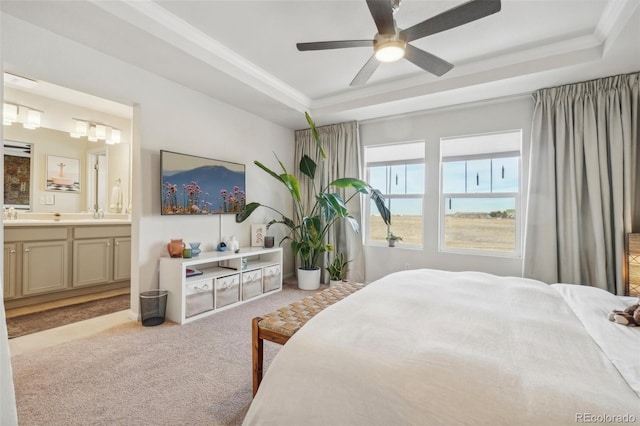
<point x="243" y="52"/>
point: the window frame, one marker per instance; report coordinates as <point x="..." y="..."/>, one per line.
<point x="517" y="253"/>
<point x="388" y="196"/>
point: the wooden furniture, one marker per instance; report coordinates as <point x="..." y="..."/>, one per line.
<point x="279" y="326"/>
<point x="633" y="265"/>
<point x="227" y="279"/>
<point x="57" y="261"/>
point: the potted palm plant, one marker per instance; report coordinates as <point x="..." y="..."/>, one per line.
<point x="338" y="268"/>
<point x="310" y="224"/>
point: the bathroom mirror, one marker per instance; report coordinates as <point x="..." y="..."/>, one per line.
<point x="76" y="158"/>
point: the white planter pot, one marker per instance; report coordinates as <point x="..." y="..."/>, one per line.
<point x="309" y="279"/>
<point x="334" y="282"/>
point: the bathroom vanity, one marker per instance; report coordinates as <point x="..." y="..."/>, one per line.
<point x="50" y="258"/>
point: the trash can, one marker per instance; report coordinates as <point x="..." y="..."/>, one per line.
<point x="153" y="306"/>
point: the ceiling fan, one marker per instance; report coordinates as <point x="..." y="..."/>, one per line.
<point x="392" y="43"/>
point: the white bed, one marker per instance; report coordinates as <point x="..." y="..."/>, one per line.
<point x="429" y="347"/>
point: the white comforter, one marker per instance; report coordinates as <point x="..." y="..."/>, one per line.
<point x="430" y="347"/>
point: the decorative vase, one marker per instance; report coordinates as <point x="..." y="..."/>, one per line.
<point x="309" y="279"/>
<point x="195" y="248"/>
<point x="175" y="247"/>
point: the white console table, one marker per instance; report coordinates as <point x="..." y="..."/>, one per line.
<point x="228" y="279"/>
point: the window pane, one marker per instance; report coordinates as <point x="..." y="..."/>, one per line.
<point x="415" y="178"/>
<point x="398" y="180"/>
<point x="406" y="221"/>
<point x="479" y="176"/>
<point x="378" y="178"/>
<point x="377" y="227"/>
<point x="453" y="177"/>
<point x="480" y="224"/>
<point x="505" y="174"/>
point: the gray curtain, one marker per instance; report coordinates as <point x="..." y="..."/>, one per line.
<point x="584" y="182"/>
<point x="342" y="146"/>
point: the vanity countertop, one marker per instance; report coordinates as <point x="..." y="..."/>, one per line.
<point x="67" y="219"/>
<point x="63" y="222"/>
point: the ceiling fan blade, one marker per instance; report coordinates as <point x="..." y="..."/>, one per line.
<point x="340" y="44"/>
<point x="382" y="14"/>
<point x="460" y="15"/>
<point x="427" y="61"/>
<point x="365" y="72"/>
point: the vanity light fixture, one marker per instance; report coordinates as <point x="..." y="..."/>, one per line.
<point x="92" y="133"/>
<point x="101" y="132"/>
<point x="81" y="129"/>
<point x="14" y="113"/>
<point x="116" y="137"/>
<point x="9" y="114"/>
<point x="96" y="131"/>
<point x="33" y="119"/>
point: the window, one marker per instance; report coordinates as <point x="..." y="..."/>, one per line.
<point x="398" y="172"/>
<point x="480" y="193"/>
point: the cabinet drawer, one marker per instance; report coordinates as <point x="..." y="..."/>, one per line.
<point x="102" y="231"/>
<point x="251" y="284"/>
<point x="35" y="234"/>
<point x="272" y="278"/>
<point x="199" y="297"/>
<point x="227" y="290"/>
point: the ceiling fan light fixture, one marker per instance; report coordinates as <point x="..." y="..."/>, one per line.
<point x="390" y="51"/>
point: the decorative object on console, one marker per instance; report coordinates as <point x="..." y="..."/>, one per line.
<point x="268" y="241"/>
<point x="175" y="247"/>
<point x="197" y="185"/>
<point x="222" y="246"/>
<point x="195" y="248"/>
<point x="191" y="272"/>
<point x="258" y="232"/>
<point x="308" y="237"/>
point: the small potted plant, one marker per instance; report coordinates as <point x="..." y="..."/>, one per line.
<point x="392" y="239"/>
<point x="338" y="268"/>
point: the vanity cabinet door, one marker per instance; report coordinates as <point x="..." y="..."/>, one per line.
<point x="10" y="270"/>
<point x="44" y="266"/>
<point x="92" y="261"/>
<point x="121" y="259"/>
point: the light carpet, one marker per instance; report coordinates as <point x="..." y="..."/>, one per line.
<point x="194" y="374"/>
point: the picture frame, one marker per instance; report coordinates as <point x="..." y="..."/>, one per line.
<point x="194" y="185"/>
<point x="258" y="232"/>
<point x="63" y="174"/>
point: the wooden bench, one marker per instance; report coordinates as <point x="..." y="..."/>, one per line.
<point x="279" y="326"/>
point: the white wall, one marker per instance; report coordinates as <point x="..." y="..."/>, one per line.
<point x="8" y="411"/>
<point x="430" y="126"/>
<point x="166" y="116"/>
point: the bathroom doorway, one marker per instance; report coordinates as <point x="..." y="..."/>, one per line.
<point x="97" y="181"/>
